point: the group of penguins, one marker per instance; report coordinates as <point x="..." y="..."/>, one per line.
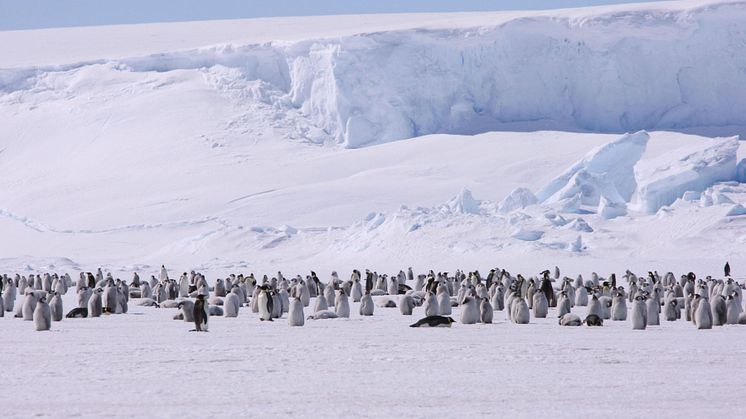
<point x="705" y="302"/>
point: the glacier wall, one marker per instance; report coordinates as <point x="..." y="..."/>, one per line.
<point x="613" y="71"/>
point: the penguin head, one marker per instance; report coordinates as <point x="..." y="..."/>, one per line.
<point x="450" y="320"/>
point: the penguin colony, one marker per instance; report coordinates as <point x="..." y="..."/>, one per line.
<point x="641" y="301"/>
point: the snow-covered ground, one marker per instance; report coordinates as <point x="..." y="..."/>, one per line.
<point x="598" y="139"/>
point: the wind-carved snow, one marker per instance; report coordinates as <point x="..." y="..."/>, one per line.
<point x="649" y="68"/>
<point x="606" y="172"/>
<point x="661" y="181"/>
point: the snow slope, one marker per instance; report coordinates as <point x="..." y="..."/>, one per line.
<point x="676" y="65"/>
<point x="202" y="148"/>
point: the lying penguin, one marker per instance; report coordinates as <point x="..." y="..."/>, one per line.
<point x="434" y="321"/>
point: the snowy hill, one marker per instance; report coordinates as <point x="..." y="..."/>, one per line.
<point x="204" y="146"/>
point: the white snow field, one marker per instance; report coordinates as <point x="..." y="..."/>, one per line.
<point x="597" y="139"/>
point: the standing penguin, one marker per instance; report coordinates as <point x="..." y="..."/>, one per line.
<point x="265" y="303"/>
<point x="671" y="310"/>
<point x="703" y="315"/>
<point x="29" y="305"/>
<point x="444" y="301"/>
<point x="563" y="304"/>
<point x="618" y="306"/>
<point x="329" y="293"/>
<point x="546" y="288"/>
<point x="321" y="303"/>
<point x="469" y="311"/>
<point x="594" y="306"/>
<point x="486" y="312"/>
<point x="231" y="303"/>
<point x="540" y="306"/>
<point x="9" y="296"/>
<point x="295" y="313"/>
<point x="719" y="310"/>
<point x="342" y="305"/>
<point x="357" y="289"/>
<point x="42" y="315"/>
<point x="95" y="305"/>
<point x="726" y="269"/>
<point x="654" y="308"/>
<point x="639" y="314"/>
<point x="366" y="304"/>
<point x="432" y="308"/>
<point x="55" y="306"/>
<point x="732" y="308"/>
<point x="200" y="313"/>
<point x="406" y="304"/>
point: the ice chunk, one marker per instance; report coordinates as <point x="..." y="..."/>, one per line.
<point x="737" y="210"/>
<point x="609" y="210"/>
<point x="518" y="199"/>
<point x="606" y="171"/>
<point x="527" y="235"/>
<point x="664" y="179"/>
<point x="579" y="224"/>
<point x="577" y="245"/>
<point x="463" y="203"/>
<point x="691" y="196"/>
<point x="741" y="171"/>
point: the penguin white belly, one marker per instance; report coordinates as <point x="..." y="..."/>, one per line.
<point x="262" y="302"/>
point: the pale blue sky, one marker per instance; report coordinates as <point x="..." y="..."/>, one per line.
<point x="33" y="14"/>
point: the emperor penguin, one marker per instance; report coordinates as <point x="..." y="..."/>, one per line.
<point x="469" y="310"/>
<point x="703" y="314"/>
<point x="295" y="313"/>
<point x="540" y="307"/>
<point x="594" y="306"/>
<point x="653" y="307"/>
<point x="187" y="310"/>
<point x="406" y="304"/>
<point x="231" y="303"/>
<point x="581" y="296"/>
<point x="498" y="299"/>
<point x="563" y="304"/>
<point x="55" y="307"/>
<point x="671" y="310"/>
<point x="639" y="314"/>
<point x="366" y="304"/>
<point x="29" y="305"/>
<point x="486" y="313"/>
<point x="109" y="297"/>
<point x="220" y="290"/>
<point x="184" y="286"/>
<point x="9" y="296"/>
<point x="520" y="313"/>
<point x="321" y="303"/>
<point x="733" y="309"/>
<point x="546" y="288"/>
<point x="342" y="305"/>
<point x="305" y="295"/>
<point x="570" y="319"/>
<point x="276" y="305"/>
<point x="357" y="290"/>
<point x="719" y="310"/>
<point x="444" y="301"/>
<point x="200" y="313"/>
<point x="284" y="297"/>
<point x="329" y="294"/>
<point x="393" y="286"/>
<point x="432" y="307"/>
<point x="145" y="290"/>
<point x="42" y="315"/>
<point x="95" y="305"/>
<point x="265" y="303"/>
<point x="618" y="306"/>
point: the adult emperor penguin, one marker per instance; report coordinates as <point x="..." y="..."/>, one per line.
<point x="265" y="303"/>
<point x="486" y="313"/>
<point x="726" y="269"/>
<point x="366" y="304"/>
<point x="55" y="307"/>
<point x="42" y="315"/>
<point x="434" y="321"/>
<point x="200" y="314"/>
<point x="342" y="305"/>
<point x="546" y="288"/>
<point x="295" y="313"/>
<point x="639" y="314"/>
<point x="406" y="304"/>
